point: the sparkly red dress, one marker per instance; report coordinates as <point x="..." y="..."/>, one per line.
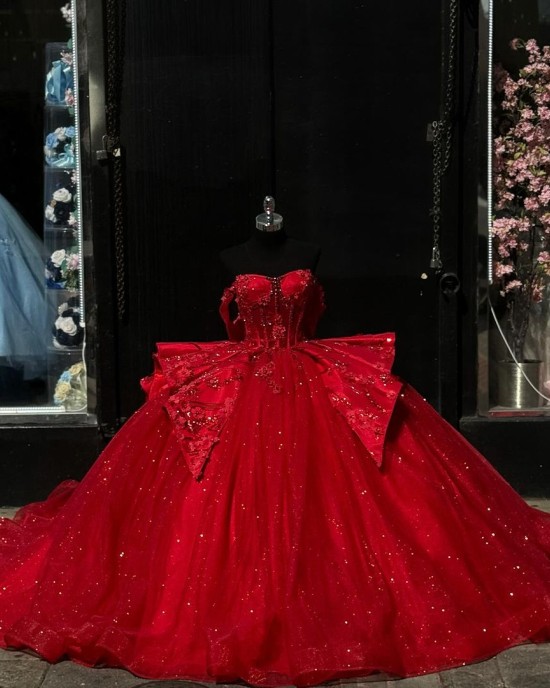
<point x="281" y="510"/>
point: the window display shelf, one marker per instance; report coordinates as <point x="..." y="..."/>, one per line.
<point x="66" y="376"/>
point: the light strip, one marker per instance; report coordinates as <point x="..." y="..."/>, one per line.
<point x="34" y="410"/>
<point x="77" y="158"/>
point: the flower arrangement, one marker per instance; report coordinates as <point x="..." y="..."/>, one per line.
<point x="59" y="147"/>
<point x="63" y="269"/>
<point x="61" y="209"/>
<point x="521" y="227"/>
<point x="59" y="83"/>
<point x="70" y="389"/>
<point x="67" y="330"/>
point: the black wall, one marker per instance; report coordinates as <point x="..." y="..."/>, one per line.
<point x="324" y="105"/>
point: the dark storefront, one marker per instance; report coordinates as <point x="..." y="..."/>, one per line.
<point x="328" y="107"/>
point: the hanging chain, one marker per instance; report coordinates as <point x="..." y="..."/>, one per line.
<point x="441" y="132"/>
<point x="436" y="262"/>
<point x="115" y="24"/>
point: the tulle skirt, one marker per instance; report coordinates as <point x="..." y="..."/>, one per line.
<point x="293" y="559"/>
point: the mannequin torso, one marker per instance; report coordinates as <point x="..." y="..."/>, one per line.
<point x="271" y="254"/>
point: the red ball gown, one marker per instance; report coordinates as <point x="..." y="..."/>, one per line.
<point x="281" y="510"/>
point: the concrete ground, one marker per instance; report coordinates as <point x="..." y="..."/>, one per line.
<point x="525" y="666"/>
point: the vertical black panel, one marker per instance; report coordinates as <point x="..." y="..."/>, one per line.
<point x="355" y="86"/>
<point x="197" y="136"/>
<point x="101" y="331"/>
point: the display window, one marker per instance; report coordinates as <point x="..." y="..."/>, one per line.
<point x="514" y="219"/>
<point x="44" y="248"/>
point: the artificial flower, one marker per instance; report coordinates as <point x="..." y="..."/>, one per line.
<point x="521" y="227"/>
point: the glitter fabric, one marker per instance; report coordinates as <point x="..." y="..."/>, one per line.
<point x="281" y="510"/>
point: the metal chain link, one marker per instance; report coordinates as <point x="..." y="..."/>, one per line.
<point x="442" y="134"/>
<point x="115" y="25"/>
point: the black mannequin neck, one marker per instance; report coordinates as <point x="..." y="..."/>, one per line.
<point x="268" y="239"/>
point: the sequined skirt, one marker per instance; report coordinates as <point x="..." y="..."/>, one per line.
<point x="291" y="551"/>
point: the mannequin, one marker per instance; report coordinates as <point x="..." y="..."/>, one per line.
<point x="269" y="251"/>
<point x="357" y="531"/>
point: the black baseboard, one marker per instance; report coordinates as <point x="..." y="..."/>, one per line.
<point x="33" y="460"/>
<point x="519" y="448"/>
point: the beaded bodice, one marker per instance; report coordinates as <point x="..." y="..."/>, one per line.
<point x="272" y="350"/>
<point x="273" y="312"/>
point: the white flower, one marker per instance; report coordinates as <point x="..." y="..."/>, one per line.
<point x="62" y="391"/>
<point x="50" y="214"/>
<point x="67" y="325"/>
<point x="62" y="195"/>
<point x="67" y="13"/>
<point x="58" y="257"/>
<point x="76" y="369"/>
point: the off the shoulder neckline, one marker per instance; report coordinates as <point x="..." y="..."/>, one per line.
<point x="276" y="277"/>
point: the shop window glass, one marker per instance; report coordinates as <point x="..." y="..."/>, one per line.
<point x="44" y="239"/>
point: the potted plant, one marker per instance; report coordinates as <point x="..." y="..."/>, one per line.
<point x="521" y="185"/>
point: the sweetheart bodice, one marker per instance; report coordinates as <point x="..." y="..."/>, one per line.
<point x="273" y="312"/>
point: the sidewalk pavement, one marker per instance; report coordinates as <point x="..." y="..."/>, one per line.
<point x="524" y="666"/>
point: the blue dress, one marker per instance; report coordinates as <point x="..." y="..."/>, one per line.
<point x="24" y="331"/>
